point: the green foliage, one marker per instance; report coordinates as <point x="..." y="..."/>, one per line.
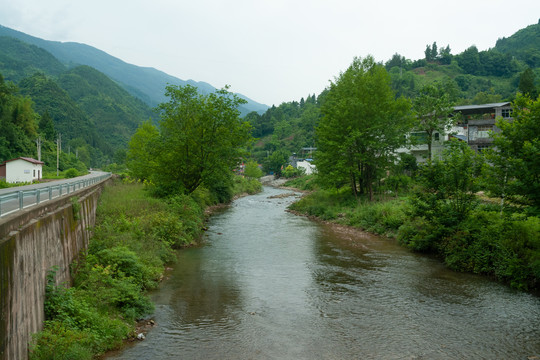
<point x="275" y="162"/>
<point x="199" y="142"/>
<point x="363" y="125"/>
<point x="306" y="182"/>
<point x="244" y="185"/>
<point x="134" y="237"/>
<point x="444" y="199"/>
<point x="516" y="162"/>
<point x="380" y="217"/>
<point x="432" y="108"/>
<point x="252" y="170"/>
<point x="71" y="173"/>
<point x="17" y="121"/>
<point x="526" y="83"/>
<point x="290" y="172"/>
<point x="142" y="154"/>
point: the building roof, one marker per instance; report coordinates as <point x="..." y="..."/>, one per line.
<point x="481" y="106"/>
<point x="460" y="137"/>
<point x="30" y="160"/>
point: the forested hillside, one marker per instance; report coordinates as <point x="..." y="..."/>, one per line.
<point x="147" y="84"/>
<point x="93" y="114"/>
<point x="471" y="77"/>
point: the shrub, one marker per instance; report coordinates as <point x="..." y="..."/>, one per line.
<point x="291" y="172"/>
<point x="71" y="173"/>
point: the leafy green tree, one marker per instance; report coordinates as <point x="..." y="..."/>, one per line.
<point x="427" y="53"/>
<point x="445" y="197"/>
<point x="518" y="151"/>
<point x="46" y="126"/>
<point x="141" y="157"/>
<point x="362" y="125"/>
<point x="252" y="170"/>
<point x="432" y="108"/>
<point x="469" y="61"/>
<point x="434" y="51"/>
<point x="201" y="138"/>
<point x="526" y="83"/>
<point x="445" y="56"/>
<point x="275" y="162"/>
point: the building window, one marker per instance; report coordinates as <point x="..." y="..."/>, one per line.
<point x="419" y="138"/>
<point x="436" y="136"/>
<point x="506" y="113"/>
<point x="34" y="172"/>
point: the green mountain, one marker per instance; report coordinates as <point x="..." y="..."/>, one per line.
<point x="524" y="45"/>
<point x="19" y="60"/>
<point x="114" y="113"/>
<point x="87" y="108"/>
<point x="471" y="77"/>
<point x="148" y="84"/>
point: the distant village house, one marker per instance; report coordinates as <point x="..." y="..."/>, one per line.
<point x="21" y="169"/>
<point x="477" y="123"/>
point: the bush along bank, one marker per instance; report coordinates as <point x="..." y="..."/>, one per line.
<point x="135" y="236"/>
<point x="468" y="235"/>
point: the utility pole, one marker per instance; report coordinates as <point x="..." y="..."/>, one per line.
<point x="58" y="149"/>
<point x="38" y="143"/>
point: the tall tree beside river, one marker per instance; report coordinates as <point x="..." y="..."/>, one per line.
<point x="363" y="123"/>
<point x="200" y="140"/>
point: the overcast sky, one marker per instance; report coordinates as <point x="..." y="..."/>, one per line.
<point x="269" y="50"/>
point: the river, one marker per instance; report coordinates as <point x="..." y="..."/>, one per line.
<point x="266" y="284"/>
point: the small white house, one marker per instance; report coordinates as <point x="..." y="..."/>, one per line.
<point x="308" y="167"/>
<point x="21" y="169"/>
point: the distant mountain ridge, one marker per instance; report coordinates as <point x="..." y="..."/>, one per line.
<point x="147" y="84"/>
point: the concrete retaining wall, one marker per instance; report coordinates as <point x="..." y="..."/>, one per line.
<point x="32" y="242"/>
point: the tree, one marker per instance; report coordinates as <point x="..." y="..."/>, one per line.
<point x="469" y="61"/>
<point x="141" y="157"/>
<point x="201" y="138"/>
<point x="526" y="83"/>
<point x="434" y="51"/>
<point x="427" y="53"/>
<point x="46" y="126"/>
<point x="252" y="170"/>
<point x="362" y="124"/>
<point x="445" y="55"/>
<point x="432" y="108"/>
<point x="518" y="152"/>
<point x="275" y="162"/>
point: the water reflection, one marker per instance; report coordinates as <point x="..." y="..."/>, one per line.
<point x="270" y="285"/>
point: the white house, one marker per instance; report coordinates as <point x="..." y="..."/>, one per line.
<point x="21" y="169"/>
<point x="308" y="167"/>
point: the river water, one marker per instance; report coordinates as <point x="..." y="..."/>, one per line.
<point x="266" y="284"/>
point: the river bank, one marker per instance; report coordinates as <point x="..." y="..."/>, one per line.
<point x="135" y="237"/>
<point x="262" y="277"/>
<point x="501" y="246"/>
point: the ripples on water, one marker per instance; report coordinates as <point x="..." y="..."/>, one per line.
<point x="270" y="285"/>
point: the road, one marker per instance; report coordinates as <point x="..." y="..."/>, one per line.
<point x="10" y="200"/>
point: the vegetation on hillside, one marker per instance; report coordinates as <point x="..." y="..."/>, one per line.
<point x="437" y="207"/>
<point x="471" y="77"/>
<point x="94" y="115"/>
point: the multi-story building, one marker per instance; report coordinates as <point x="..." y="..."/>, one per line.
<point x="475" y="125"/>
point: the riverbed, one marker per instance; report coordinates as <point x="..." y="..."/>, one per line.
<point x="266" y="284"/>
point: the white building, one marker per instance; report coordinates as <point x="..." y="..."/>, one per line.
<point x="420" y="151"/>
<point x="308" y="167"/>
<point x="21" y="169"/>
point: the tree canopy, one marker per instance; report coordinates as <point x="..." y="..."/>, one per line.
<point x="363" y="123"/>
<point x="200" y="140"/>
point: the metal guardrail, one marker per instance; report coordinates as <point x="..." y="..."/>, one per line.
<point x="19" y="200"/>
